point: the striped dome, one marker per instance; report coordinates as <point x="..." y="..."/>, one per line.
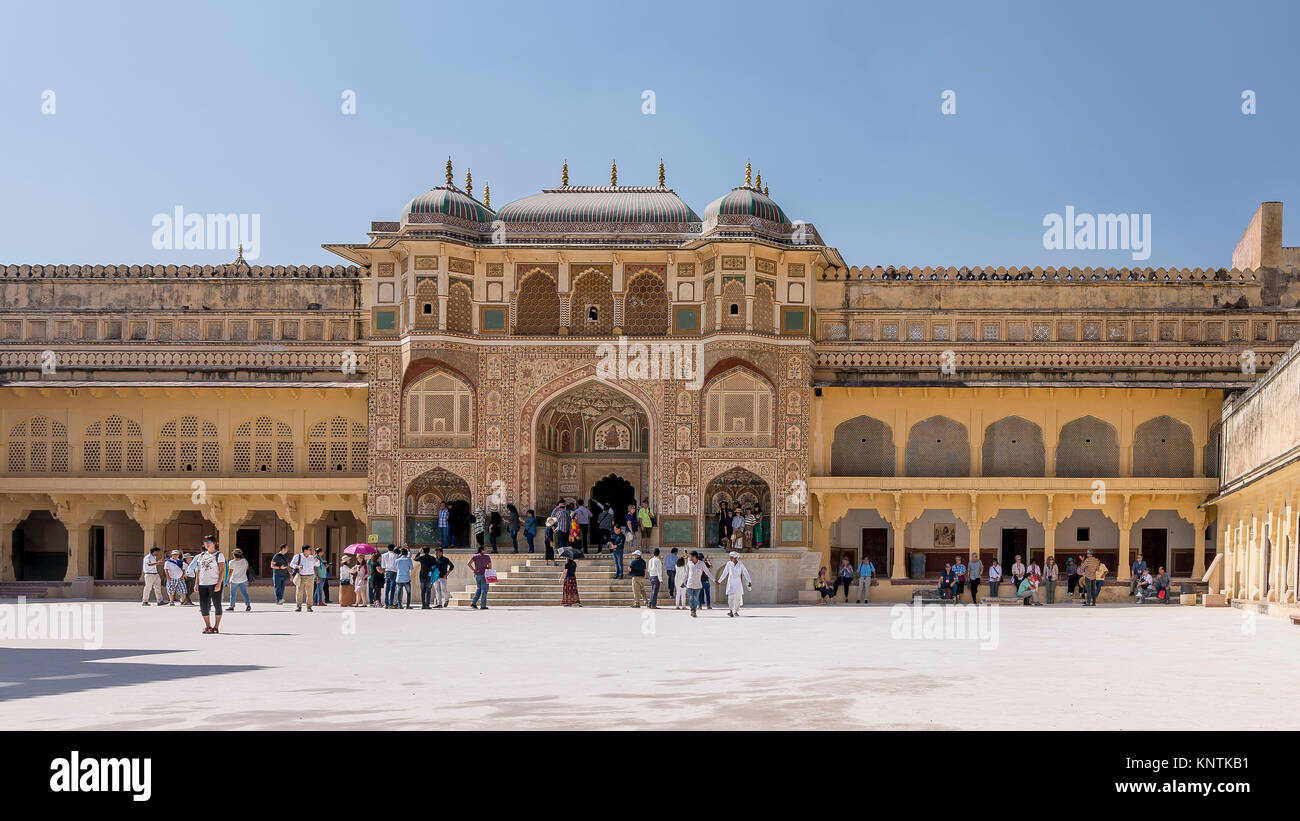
<point x="746" y="201"/>
<point x="600" y="204"/>
<point x="449" y="201"/>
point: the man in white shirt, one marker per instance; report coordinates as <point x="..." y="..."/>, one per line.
<point x="655" y="570"/>
<point x="303" y="568"/>
<point x="152" y="581"/>
<point x="209" y="569"/>
<point x="388" y="562"/>
<point x="736" y="575"/>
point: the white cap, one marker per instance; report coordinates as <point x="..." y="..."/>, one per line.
<point x="733" y="554"/>
<point x="636" y="552"/>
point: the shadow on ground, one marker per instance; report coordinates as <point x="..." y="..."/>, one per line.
<point x="31" y="672"/>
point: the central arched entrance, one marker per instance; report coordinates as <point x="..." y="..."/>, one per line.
<point x="425" y="497"/>
<point x="592" y="440"/>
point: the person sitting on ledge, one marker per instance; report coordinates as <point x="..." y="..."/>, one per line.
<point x="946" y="581"/>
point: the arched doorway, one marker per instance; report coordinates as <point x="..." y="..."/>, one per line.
<point x="615" y="491"/>
<point x="738" y="488"/>
<point x="585" y="435"/>
<point x="425" y="496"/>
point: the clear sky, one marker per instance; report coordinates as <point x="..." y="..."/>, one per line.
<point x="228" y="106"/>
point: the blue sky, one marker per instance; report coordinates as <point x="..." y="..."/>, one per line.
<point x="235" y="107"/>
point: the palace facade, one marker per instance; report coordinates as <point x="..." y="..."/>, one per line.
<point x="610" y="342"/>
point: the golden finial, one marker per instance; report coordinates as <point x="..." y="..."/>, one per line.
<point x="449" y="170"/>
<point x="564" y="175"/>
<point x="487" y="195"/>
<point x="469" y="183"/>
<point x="759" y="181"/>
<point x="765" y="190"/>
<point x="661" y="172"/>
<point x="613" y="172"/>
<point x="749" y="181"/>
<point x="240" y="258"/>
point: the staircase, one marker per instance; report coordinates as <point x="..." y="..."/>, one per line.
<point x="31" y="590"/>
<point x="535" y="584"/>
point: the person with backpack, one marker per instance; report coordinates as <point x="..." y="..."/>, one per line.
<point x="209" y="569"/>
<point x="404" y="567"/>
<point x="645" y="522"/>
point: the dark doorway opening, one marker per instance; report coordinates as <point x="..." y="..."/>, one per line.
<point x="459" y="520"/>
<point x="1155" y="548"/>
<point x="1015" y="540"/>
<point x="616" y="491"/>
<point x="249" y="540"/>
<point x="875" y="546"/>
<point x="97" y="552"/>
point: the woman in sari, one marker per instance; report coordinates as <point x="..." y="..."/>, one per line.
<point x="571" y="584"/>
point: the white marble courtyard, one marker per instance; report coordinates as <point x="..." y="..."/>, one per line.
<point x="830" y="667"/>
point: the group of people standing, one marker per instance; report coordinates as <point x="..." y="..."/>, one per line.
<point x="573" y="529"/>
<point x="740" y="528"/>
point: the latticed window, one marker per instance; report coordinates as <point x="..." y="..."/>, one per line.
<point x="438" y="412"/>
<point x="1212" y="451"/>
<point x="336" y="445"/>
<point x="426" y="304"/>
<point x="645" y="306"/>
<point x="38" y="445"/>
<point x="738" y="411"/>
<point x="188" y="445"/>
<point x="592" y="305"/>
<point x="1087" y="448"/>
<point x="1163" y="447"/>
<point x="706" y="321"/>
<point x="939" y="446"/>
<point x="460" y="309"/>
<point x="537" y="306"/>
<point x="1014" y="447"/>
<point x="764" y="308"/>
<point x="113" y="445"/>
<point x="863" y="446"/>
<point x="733" y="306"/>
<point x="263" y="445"/>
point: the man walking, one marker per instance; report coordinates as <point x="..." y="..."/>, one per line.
<point x="480" y="563"/>
<point x="670" y="567"/>
<point x="444" y="566"/>
<point x="426" y="563"/>
<point x="303" y="567"/>
<point x="152" y="581"/>
<point x="209" y="569"/>
<point x="616" y="541"/>
<point x="974" y="571"/>
<point x="656" y="575"/>
<point x="736" y="575"/>
<point x="388" y="562"/>
<point x="696" y="573"/>
<point x="636" y="570"/>
<point x="280" y="572"/>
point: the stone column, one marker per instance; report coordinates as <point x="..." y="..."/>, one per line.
<point x="1049" y="535"/>
<point x="7" y="573"/>
<point x="78" y="549"/>
<point x="1125" y="560"/>
<point x="1198" y="556"/>
<point x="897" y="526"/>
